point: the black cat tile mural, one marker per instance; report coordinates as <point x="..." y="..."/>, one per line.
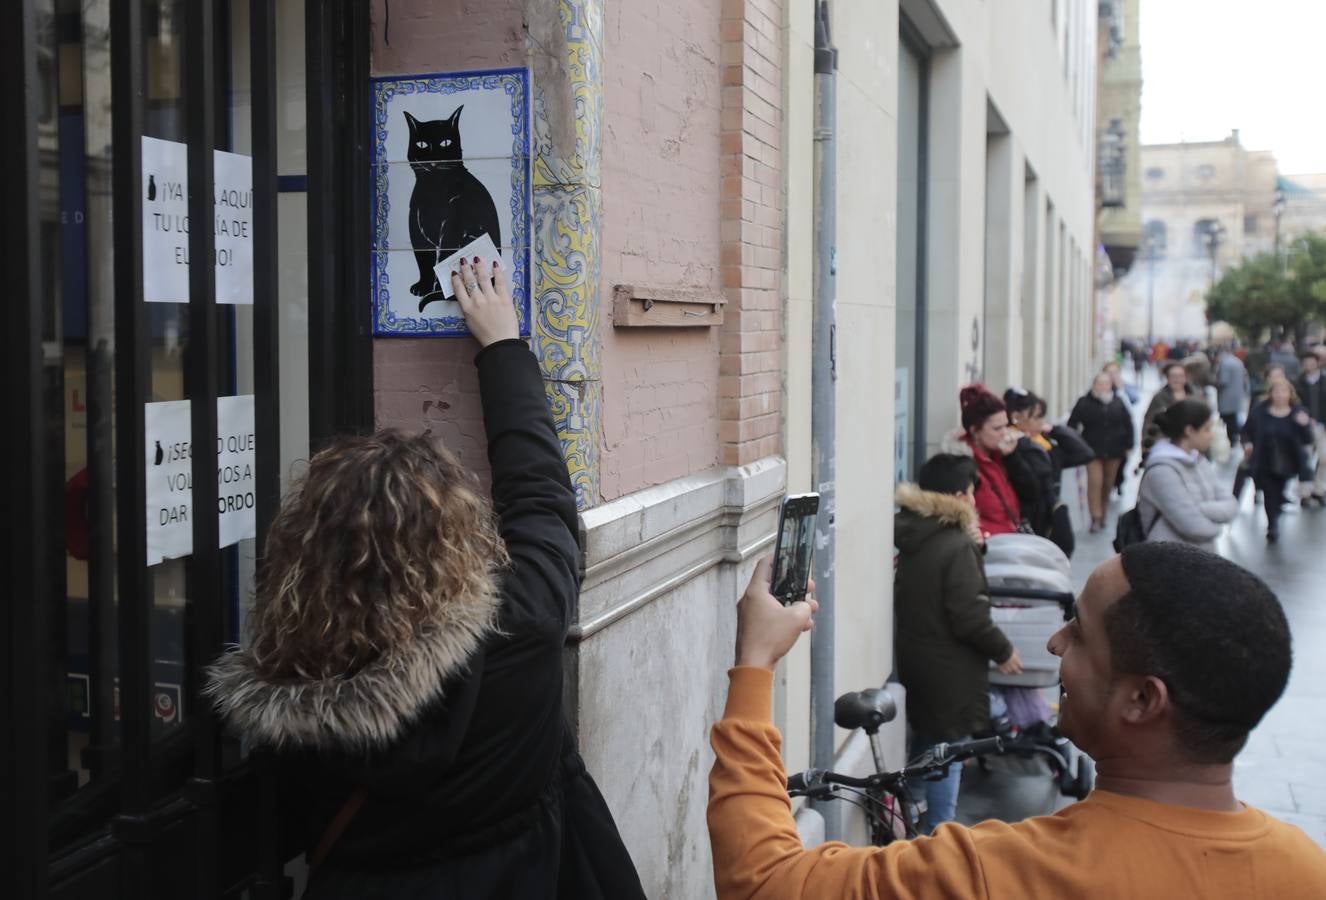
<point x="451" y="159"/>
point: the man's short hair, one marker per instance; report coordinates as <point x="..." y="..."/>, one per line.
<point x="1172" y="364"/>
<point x="1213" y="632"/>
<point x="948" y="473"/>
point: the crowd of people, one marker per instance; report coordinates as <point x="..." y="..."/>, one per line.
<point x="404" y="678"/>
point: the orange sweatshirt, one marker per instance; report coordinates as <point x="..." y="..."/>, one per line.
<point x="1108" y="845"/>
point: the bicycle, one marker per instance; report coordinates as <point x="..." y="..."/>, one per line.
<point x="884" y="797"/>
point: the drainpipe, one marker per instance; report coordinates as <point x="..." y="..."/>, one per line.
<point x="823" y="404"/>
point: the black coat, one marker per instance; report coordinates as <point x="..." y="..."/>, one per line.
<point x="1277" y="442"/>
<point x="1037" y="474"/>
<point x="479" y="792"/>
<point x="1106" y="427"/>
<point x="1313" y="396"/>
<point x="945" y="636"/>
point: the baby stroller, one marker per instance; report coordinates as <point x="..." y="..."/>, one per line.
<point x="1031" y="596"/>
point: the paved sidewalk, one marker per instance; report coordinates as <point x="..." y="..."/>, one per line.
<point x="1283" y="768"/>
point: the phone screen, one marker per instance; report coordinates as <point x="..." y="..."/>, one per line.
<point x="796" y="544"/>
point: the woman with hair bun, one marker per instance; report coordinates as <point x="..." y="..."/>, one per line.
<point x="1179" y="499"/>
<point x="405" y="663"/>
<point x="986" y="437"/>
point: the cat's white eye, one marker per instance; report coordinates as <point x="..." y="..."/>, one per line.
<point x="446" y="143"/>
<point x="422" y="145"/>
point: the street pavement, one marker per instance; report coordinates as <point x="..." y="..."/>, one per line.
<point x="1283" y="768"/>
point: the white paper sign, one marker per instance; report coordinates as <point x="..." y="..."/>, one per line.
<point x="169" y="461"/>
<point x="482" y="247"/>
<point x="234" y="227"/>
<point x="166" y="224"/>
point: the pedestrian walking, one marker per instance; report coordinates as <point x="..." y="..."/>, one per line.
<point x="1231" y="392"/>
<point x="1175" y="389"/>
<point x="1312" y="392"/>
<point x="1275" y="444"/>
<point x="1269" y="374"/>
<point x="1036" y="466"/>
<point x="945" y="638"/>
<point x="985" y="436"/>
<point x="405" y="668"/>
<point x="1107" y="428"/>
<point x="1127" y="393"/>
<point x="1179" y="499"/>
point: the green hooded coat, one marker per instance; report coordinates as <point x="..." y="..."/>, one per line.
<point x="945" y="637"/>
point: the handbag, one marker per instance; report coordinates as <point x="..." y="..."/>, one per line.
<point x="1023" y="526"/>
<point x="1280" y="462"/>
<point x="1129" y="529"/>
<point x="1220" y="448"/>
<point x="1061" y="530"/>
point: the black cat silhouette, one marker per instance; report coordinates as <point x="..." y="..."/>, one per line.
<point x="160" y="454"/>
<point x="449" y="206"/>
<point x="151" y="187"/>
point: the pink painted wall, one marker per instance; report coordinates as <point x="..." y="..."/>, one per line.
<point x="431" y="383"/>
<point x="661" y="207"/>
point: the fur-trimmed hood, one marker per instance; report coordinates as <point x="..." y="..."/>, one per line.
<point x="365" y="710"/>
<point x="926" y="513"/>
<point x="955" y="443"/>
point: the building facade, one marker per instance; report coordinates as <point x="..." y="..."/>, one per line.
<point x="1206" y="206"/>
<point x="672" y="195"/>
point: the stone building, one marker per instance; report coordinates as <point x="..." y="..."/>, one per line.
<point x="1206" y="206"/>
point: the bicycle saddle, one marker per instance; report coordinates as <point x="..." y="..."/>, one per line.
<point x="867" y="709"/>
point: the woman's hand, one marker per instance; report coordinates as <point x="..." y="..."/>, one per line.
<point x="976" y="534"/>
<point x="1012" y="665"/>
<point x="485" y="299"/>
<point x="1302" y="419"/>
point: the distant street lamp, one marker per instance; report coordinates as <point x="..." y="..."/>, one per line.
<point x="1213" y="238"/>
<point x="1278" y="207"/>
<point x="1149" y="242"/>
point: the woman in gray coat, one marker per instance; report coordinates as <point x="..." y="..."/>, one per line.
<point x="1179" y="499"/>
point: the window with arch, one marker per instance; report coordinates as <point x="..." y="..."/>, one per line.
<point x="1156" y="236"/>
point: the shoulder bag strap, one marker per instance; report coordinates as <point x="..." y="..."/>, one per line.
<point x="336" y="827"/>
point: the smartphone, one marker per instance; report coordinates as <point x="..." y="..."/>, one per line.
<point x="795" y="547"/>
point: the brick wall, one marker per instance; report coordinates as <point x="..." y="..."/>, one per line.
<point x="661" y="175"/>
<point x="750" y="351"/>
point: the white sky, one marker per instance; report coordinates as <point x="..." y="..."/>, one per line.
<point x="1210" y="66"/>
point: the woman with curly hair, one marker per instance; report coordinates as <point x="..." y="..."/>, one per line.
<point x="405" y="663"/>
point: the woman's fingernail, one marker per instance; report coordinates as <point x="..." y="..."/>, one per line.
<point x="454" y="274"/>
<point x="476" y="260"/>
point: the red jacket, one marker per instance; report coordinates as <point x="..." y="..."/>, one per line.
<point x="996" y="500"/>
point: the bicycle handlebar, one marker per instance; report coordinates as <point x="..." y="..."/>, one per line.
<point x="936" y="758"/>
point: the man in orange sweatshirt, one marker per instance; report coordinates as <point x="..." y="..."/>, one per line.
<point x="1175" y="654"/>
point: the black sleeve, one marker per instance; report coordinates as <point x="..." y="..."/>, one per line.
<point x="1022" y="474"/>
<point x="1075" y="420"/>
<point x="1070" y="451"/>
<point x="531" y="490"/>
<point x="1250" y="426"/>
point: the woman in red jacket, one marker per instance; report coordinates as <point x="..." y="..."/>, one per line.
<point x="987" y="438"/>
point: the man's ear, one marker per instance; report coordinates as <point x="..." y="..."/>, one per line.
<point x="1147" y="701"/>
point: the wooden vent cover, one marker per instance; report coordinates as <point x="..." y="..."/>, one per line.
<point x="651" y="307"/>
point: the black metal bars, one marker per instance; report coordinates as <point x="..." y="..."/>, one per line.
<point x="132" y="378"/>
<point x="337" y="56"/>
<point x="23" y="622"/>
<point x="206" y="616"/>
<point x="266" y="374"/>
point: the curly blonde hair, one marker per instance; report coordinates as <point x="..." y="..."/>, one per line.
<point x="366" y="552"/>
